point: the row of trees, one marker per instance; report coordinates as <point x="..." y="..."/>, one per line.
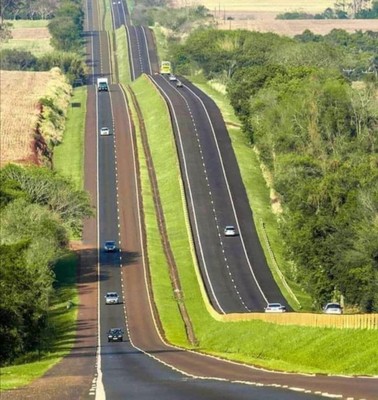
<point x="178" y="20"/>
<point x="28" y="9"/>
<point x="317" y="134"/>
<point x="39" y="210"/>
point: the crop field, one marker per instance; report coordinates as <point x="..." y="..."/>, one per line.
<point x="274" y="6"/>
<point x="30" y="36"/>
<point x="259" y="15"/>
<point x="20" y="92"/>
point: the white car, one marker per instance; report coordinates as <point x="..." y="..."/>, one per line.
<point x="229" y="230"/>
<point x="172" y="78"/>
<point x="275" y="308"/>
<point x="104" y="131"/>
<point x="333" y="308"/>
<point x="111" y="298"/>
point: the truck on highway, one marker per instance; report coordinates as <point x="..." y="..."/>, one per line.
<point x="165" y="67"/>
<point x="102" y="84"/>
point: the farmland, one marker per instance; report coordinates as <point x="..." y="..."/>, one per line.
<point x="260" y="15"/>
<point x="20" y="112"/>
<point x="30" y="36"/>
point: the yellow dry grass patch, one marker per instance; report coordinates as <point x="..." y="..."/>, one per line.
<point x="19" y="112"/>
<point x="30" y="33"/>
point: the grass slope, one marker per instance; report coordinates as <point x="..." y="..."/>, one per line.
<point x="254" y="342"/>
<point x="69" y="155"/>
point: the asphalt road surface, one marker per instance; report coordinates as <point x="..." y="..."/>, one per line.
<point x="143" y="366"/>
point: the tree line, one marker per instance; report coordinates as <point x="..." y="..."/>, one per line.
<point x="309" y="107"/>
<point x="39" y="211"/>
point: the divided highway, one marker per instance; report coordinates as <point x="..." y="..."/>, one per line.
<point x="143" y="366"/>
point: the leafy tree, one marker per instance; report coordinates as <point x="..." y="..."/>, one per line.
<point x="65" y="34"/>
<point x="22" y="303"/>
<point x="48" y="189"/>
<point x="18" y="60"/>
<point x="5" y="31"/>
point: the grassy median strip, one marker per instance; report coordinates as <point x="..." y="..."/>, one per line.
<point x="156" y="123"/>
<point x="122" y="56"/>
<point x="290" y="348"/>
<point x="60" y="333"/>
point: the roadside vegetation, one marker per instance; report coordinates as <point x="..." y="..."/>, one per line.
<point x="40" y="209"/>
<point x="72" y="167"/>
<point x="57" y="338"/>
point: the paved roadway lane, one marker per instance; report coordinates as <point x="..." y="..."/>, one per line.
<point x="131" y="369"/>
<point x="229" y="265"/>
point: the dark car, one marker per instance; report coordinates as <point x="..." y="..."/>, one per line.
<point x="110" y="246"/>
<point x="115" y="335"/>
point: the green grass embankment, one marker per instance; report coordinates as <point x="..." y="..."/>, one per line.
<point x="60" y="334"/>
<point x="69" y="155"/>
<point x="159" y="131"/>
<point x="289" y="348"/>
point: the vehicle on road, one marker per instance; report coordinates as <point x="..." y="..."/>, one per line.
<point x="115" y="335"/>
<point x="179" y="84"/>
<point x="102" y="84"/>
<point x="110" y="246"/>
<point x="229" y="230"/>
<point x="165" y="67"/>
<point x="275" y="308"/>
<point x="111" y="298"/>
<point x="104" y="131"/>
<point x="172" y="78"/>
<point x="333" y="308"/>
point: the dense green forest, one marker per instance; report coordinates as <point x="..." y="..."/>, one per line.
<point x="309" y="107"/>
<point x="39" y="211"/>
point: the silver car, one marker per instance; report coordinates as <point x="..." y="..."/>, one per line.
<point x="229" y="230"/>
<point x="111" y="298"/>
<point x="333" y="308"/>
<point x="275" y="308"/>
<point x="104" y="131"/>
